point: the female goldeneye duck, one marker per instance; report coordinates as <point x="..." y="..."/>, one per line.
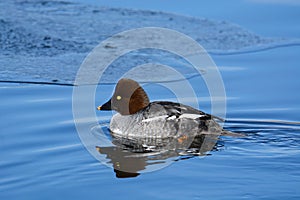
<point x="138" y="118"/>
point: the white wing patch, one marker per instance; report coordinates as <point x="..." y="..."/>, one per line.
<point x="155" y="118"/>
<point x="166" y="117"/>
<point x="190" y="116"/>
<point x="172" y="117"/>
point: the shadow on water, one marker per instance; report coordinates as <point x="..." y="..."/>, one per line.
<point x="132" y="156"/>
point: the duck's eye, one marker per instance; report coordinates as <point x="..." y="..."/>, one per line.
<point x="119" y="97"/>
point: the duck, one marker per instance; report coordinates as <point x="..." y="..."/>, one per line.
<point x="138" y="118"/>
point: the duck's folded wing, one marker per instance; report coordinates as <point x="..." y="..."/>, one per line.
<point x="183" y="111"/>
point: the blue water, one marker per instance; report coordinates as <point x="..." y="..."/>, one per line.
<point x="42" y="156"/>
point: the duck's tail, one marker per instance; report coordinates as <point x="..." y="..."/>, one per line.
<point x="217" y="118"/>
<point x="232" y="134"/>
<point x="225" y="132"/>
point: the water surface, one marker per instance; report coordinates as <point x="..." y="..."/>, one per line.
<point x="42" y="156"/>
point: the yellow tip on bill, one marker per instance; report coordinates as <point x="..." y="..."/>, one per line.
<point x="99" y="108"/>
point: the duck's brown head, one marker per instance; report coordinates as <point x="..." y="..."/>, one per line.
<point x="128" y="98"/>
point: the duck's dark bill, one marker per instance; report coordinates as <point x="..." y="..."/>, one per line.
<point x="106" y="106"/>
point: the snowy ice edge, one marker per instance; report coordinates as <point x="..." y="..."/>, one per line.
<point x="61" y="82"/>
<point x="58" y="64"/>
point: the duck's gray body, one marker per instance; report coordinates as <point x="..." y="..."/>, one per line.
<point x="162" y="120"/>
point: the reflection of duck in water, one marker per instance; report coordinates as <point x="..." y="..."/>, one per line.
<point x="160" y="125"/>
<point x="128" y="164"/>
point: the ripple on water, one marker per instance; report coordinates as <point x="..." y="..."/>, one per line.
<point x="265" y="138"/>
